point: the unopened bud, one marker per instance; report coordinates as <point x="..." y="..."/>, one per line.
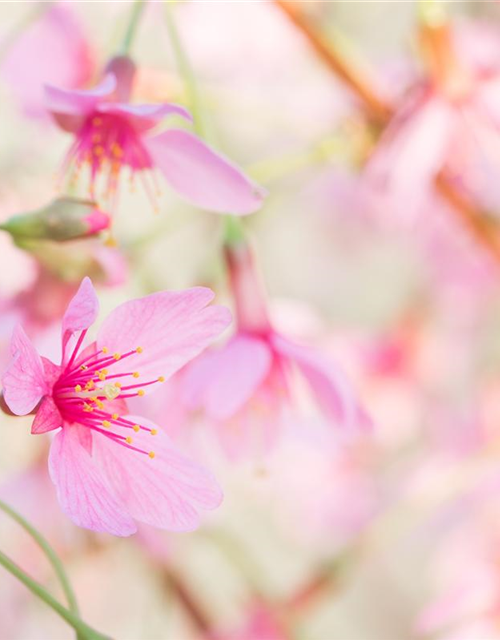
<point x="63" y="219"/>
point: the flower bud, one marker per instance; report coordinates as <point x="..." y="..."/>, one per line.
<point x="63" y="219"/>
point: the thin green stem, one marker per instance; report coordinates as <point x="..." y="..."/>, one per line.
<point x="49" y="552"/>
<point x="36" y="588"/>
<point x="135" y="17"/>
<point x="186" y="72"/>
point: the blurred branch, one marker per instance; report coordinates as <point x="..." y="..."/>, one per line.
<point x="195" y="613"/>
<point x="336" y="62"/>
<point x="478" y="225"/>
<point x="134" y="20"/>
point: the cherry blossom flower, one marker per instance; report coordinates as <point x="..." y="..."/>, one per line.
<point x="246" y="388"/>
<point x="445" y="118"/>
<point x="111" y="468"/>
<point x="112" y="133"/>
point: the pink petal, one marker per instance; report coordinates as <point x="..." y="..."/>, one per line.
<point x="53" y="49"/>
<point x="327" y="382"/>
<point x="411" y="152"/>
<point x="144" y="116"/>
<point x="80" y="314"/>
<point x="223" y="381"/>
<point x="24" y="382"/>
<point x="202" y="176"/>
<point x="83" y="491"/>
<point x="171" y="327"/>
<point x="47" y="417"/>
<point x="70" y="107"/>
<point x="166" y="491"/>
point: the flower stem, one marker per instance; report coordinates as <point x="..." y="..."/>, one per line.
<point x="49" y="552"/>
<point x="186" y="72"/>
<point x="135" y="17"/>
<point x="35" y="587"/>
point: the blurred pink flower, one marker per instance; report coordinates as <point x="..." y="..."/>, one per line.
<point x="245" y="387"/>
<point x="260" y="623"/>
<point x="105" y="478"/>
<point x="446" y="115"/>
<point x="112" y="133"/>
<point x="53" y="49"/>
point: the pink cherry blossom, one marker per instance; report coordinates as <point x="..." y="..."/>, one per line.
<point x="246" y="388"/>
<point x="112" y="133"/>
<point x="447" y="116"/>
<point x="111" y="468"/>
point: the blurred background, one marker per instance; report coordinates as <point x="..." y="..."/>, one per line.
<point x="375" y="128"/>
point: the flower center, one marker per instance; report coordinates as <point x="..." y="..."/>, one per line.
<point x="107" y="143"/>
<point x="87" y="388"/>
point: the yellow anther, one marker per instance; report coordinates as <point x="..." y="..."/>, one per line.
<point x="105" y="371"/>
<point x="78" y="388"/>
<point x="136" y="428"/>
<point x="102" y="376"/>
<point x="106" y="423"/>
<point x="117" y="356"/>
<point x="128" y="440"/>
<point x="89" y="385"/>
<point x="96" y="137"/>
<point x="135" y="374"/>
<point x="118" y="385"/>
<point x="88" y="408"/>
<point x="140" y="392"/>
<point x="139" y="350"/>
<point x="154" y="432"/>
<point x="83" y="367"/>
<point x="98" y="150"/>
<point x="115" y="416"/>
<point x="151" y="454"/>
<point x="161" y="379"/>
<point x="93" y="399"/>
<point x="105" y="350"/>
<point x="97" y="122"/>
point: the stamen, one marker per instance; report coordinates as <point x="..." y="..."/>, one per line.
<point x="151" y="454"/>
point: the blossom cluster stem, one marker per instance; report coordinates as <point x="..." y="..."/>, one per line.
<point x="186" y="71"/>
<point x="469" y="216"/>
<point x="82" y="629"/>
<point x="134" y="20"/>
<point x="49" y="552"/>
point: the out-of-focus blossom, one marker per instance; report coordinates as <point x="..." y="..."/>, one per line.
<point x="454" y="107"/>
<point x="260" y="622"/>
<point x="61" y="220"/>
<point x="105" y="477"/>
<point x="52" y="49"/>
<point x="112" y="133"/>
<point x="246" y="387"/>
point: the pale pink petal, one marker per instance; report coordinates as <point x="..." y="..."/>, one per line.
<point x="81" y="312"/>
<point x="47" y="417"/>
<point x="70" y="107"/>
<point x="143" y="116"/>
<point x="411" y="152"/>
<point x="52" y="49"/>
<point x="171" y="328"/>
<point x="222" y="381"/>
<point x="166" y="491"/>
<point x="327" y="382"/>
<point x="24" y="382"/>
<point x="83" y="491"/>
<point x="202" y="176"/>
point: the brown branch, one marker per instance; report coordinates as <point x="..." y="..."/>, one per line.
<point x="478" y="225"/>
<point x="343" y="69"/>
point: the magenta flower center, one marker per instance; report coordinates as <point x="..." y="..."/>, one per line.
<point x="107" y="143"/>
<point x="85" y="391"/>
